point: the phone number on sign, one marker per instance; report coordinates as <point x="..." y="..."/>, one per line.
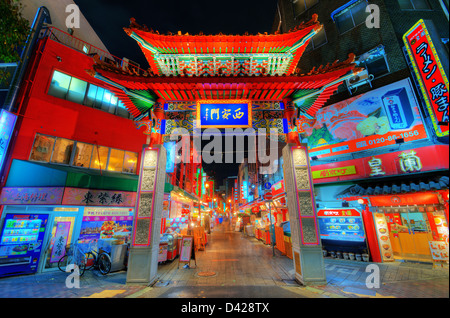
<point x="390" y="138"/>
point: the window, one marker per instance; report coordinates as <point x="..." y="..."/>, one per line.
<point x="81" y="92"/>
<point x="62" y="152"/>
<point x="351" y="16"/>
<point x="83" y="153"/>
<point x="318" y="40"/>
<point x="77" y="91"/>
<point x="99" y="157"/>
<point x="59" y="85"/>
<point x="79" y="154"/>
<point x="42" y="148"/>
<point x="414" y="5"/>
<point x="374" y="61"/>
<point x="301" y="6"/>
<point x="116" y="160"/>
<point x="130" y="162"/>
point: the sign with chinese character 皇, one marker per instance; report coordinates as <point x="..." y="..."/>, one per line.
<point x="430" y="74"/>
<point x="90" y="197"/>
<point x="224" y="114"/>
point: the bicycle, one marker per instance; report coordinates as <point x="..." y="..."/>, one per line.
<point x="100" y="260"/>
<point x="74" y="255"/>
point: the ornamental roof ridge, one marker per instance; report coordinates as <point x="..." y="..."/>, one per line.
<point x="135" y="26"/>
<point x="136" y="74"/>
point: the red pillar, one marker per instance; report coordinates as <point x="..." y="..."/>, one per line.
<point x="289" y="115"/>
<point x="371" y="235"/>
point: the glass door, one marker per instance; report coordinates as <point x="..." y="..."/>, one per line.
<point x="414" y="239"/>
<point x="62" y="230"/>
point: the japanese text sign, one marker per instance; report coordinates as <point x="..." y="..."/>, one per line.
<point x="430" y="74"/>
<point x="224" y="114"/>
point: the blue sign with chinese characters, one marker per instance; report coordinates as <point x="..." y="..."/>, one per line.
<point x="224" y="114"/>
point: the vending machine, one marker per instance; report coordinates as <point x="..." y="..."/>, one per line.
<point x="21" y="243"/>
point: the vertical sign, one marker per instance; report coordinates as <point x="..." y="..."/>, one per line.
<point x="430" y="74"/>
<point x="61" y="237"/>
<point x="7" y="123"/>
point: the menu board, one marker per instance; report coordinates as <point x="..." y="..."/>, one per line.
<point x="341" y="225"/>
<point x="186" y="249"/>
<point x="439" y="251"/>
<point x="381" y="228"/>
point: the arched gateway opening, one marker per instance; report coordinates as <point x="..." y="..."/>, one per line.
<point x="212" y="87"/>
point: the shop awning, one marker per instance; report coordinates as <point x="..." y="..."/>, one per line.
<point x="395" y="187"/>
<point x="35" y="174"/>
<point x="184" y="193"/>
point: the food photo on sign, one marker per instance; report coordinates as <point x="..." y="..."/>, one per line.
<point x="374" y="119"/>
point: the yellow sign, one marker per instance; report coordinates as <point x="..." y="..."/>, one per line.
<point x="335" y="172"/>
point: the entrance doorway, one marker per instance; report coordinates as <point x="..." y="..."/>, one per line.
<point x="410" y="234"/>
<point x="61" y="235"/>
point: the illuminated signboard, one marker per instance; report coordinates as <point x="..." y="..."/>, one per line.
<point x="430" y="74"/>
<point x="374" y="119"/>
<point x="7" y="123"/>
<point x="224" y="114"/>
<point x="170" y="163"/>
<point x="341" y="225"/>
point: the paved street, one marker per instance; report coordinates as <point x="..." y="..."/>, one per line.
<point x="237" y="266"/>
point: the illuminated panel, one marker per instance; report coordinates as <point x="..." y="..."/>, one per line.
<point x="224" y="114"/>
<point x="7" y="123"/>
<point x="430" y="74"/>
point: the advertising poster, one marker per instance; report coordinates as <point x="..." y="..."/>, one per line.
<point x="439" y="251"/>
<point x="384" y="241"/>
<point x="61" y="237"/>
<point x="112" y="224"/>
<point x="375" y="119"/>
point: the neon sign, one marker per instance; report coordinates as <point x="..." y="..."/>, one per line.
<point x="224" y="114"/>
<point x="430" y="74"/>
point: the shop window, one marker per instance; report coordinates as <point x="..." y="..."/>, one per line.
<point x="91" y="95"/>
<point x="62" y="151"/>
<point x="59" y="85"/>
<point x="130" y="162"/>
<point x="99" y="157"/>
<point x="301" y="6"/>
<point x="115" y="162"/>
<point x="414" y="5"/>
<point x="351" y="16"/>
<point x="83" y="153"/>
<point x="42" y="148"/>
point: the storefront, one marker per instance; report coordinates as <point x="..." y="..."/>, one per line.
<point x="408" y="226"/>
<point x="37" y="224"/>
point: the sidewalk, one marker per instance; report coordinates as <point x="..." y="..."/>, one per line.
<point x="236" y="266"/>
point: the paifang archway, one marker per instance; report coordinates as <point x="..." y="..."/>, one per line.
<point x="188" y="71"/>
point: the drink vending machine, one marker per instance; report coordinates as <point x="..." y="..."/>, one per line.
<point x="21" y="243"/>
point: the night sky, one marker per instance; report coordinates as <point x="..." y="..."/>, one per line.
<point x="109" y="17"/>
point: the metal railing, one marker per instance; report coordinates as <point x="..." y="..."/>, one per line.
<point x="64" y="38"/>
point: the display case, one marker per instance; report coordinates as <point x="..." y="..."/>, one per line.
<point x="163" y="248"/>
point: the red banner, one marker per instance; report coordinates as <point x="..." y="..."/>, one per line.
<point x="404" y="199"/>
<point x="430" y="74"/>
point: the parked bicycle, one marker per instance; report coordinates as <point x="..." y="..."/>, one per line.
<point x="74" y="255"/>
<point x="99" y="259"/>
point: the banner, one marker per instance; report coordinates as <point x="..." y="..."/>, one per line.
<point x="375" y="119"/>
<point x="430" y="74"/>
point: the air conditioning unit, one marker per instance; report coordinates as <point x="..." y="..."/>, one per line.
<point x="361" y="78"/>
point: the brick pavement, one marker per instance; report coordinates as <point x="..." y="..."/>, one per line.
<point x="242" y="267"/>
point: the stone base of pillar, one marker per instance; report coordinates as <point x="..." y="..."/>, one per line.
<point x="140" y="267"/>
<point x="309" y="266"/>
